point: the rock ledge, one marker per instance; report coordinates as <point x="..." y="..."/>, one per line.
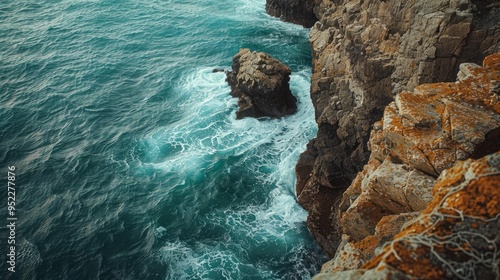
<point x="421" y="136"/>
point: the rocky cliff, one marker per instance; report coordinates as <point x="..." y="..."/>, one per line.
<point x="364" y="53"/>
<point x="421" y="134"/>
<point x="296" y="11"/>
<point x="455" y="237"/>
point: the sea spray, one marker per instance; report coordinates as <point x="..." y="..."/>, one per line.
<point x="247" y="210"/>
<point x="131" y="161"/>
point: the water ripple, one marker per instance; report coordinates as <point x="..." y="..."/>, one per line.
<point x="129" y="160"/>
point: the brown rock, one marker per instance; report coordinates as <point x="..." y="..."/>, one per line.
<point x="420" y="135"/>
<point x="352" y="255"/>
<point x="261" y="84"/>
<point x="388" y="189"/>
<point x="360" y="219"/>
<point x="321" y="201"/>
<point x="455" y="237"/>
<point x="295" y="11"/>
<point x="364" y="53"/>
<point x="348" y="257"/>
<point x="435" y="127"/>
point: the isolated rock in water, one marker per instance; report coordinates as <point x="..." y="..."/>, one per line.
<point x="295" y="11"/>
<point x="216" y="70"/>
<point x="261" y="84"/>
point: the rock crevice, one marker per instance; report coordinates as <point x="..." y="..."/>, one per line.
<point x="261" y="84"/>
<point x="413" y="144"/>
<point x="367" y="52"/>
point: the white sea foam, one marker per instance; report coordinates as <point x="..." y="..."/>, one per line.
<point x="209" y="130"/>
<point x="160" y="232"/>
<point x="130" y="146"/>
<point x="204" y="262"/>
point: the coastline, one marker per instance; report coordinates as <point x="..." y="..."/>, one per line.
<point x="365" y="53"/>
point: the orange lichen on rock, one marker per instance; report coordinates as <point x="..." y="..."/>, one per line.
<point x="479" y="85"/>
<point x="439" y="124"/>
<point x="492" y="62"/>
<point x="420" y="137"/>
<point x="421" y="133"/>
<point x="456" y="236"/>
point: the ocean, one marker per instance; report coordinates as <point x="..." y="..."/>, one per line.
<point x="128" y="160"/>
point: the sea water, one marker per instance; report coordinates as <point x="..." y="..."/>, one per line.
<point x="128" y="159"/>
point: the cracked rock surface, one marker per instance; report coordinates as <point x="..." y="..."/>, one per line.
<point x="455" y="237"/>
<point x="365" y="53"/>
<point x="413" y="144"/>
<point x="261" y="84"/>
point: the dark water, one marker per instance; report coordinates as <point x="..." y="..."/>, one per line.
<point x="129" y="161"/>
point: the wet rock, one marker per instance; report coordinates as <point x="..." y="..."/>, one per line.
<point x="216" y="70"/>
<point x="261" y="83"/>
<point x="294" y="11"/>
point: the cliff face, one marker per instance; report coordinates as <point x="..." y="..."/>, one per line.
<point x="364" y="52"/>
<point x="455" y="237"/>
<point x="421" y="134"/>
<point x="296" y="11"/>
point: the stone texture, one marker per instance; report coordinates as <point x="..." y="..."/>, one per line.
<point x="348" y="257"/>
<point x="397" y="182"/>
<point x="352" y="255"/>
<point x="455" y="237"/>
<point x="261" y="83"/>
<point x="296" y="11"/>
<point x="390" y="189"/>
<point x="366" y="52"/>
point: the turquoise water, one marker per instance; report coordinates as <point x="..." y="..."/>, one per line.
<point x="129" y="161"/>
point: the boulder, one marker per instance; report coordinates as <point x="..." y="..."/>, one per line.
<point x="261" y="83"/>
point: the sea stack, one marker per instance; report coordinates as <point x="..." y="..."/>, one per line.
<point x="261" y="83"/>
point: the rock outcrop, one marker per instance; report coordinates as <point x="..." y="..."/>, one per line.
<point x="421" y="134"/>
<point x="455" y="237"/>
<point x="262" y="85"/>
<point x="364" y="53"/>
<point x="296" y="11"/>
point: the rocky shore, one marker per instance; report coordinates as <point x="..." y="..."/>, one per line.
<point x="420" y="137"/>
<point x="296" y="11"/>
<point x="454" y="237"/>
<point x="385" y="133"/>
